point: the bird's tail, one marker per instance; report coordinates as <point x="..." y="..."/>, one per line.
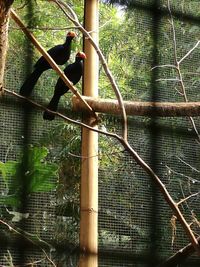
<point x="27" y="87"/>
<point x="53" y="105"/>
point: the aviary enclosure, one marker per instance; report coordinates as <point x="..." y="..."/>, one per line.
<point x="113" y="180"/>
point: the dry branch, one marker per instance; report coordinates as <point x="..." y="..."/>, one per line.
<point x="179" y="256"/>
<point x="162" y="109"/>
<point x="30" y="238"/>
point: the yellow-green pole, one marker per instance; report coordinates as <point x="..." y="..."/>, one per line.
<point x="89" y="168"/>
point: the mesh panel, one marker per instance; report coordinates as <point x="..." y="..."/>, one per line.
<point x="136" y="227"/>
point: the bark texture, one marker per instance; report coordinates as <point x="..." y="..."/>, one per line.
<point x="4" y="18"/>
<point x="161" y="109"/>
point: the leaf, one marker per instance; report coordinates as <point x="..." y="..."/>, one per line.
<point x="40" y="173"/>
<point x="10" y="200"/>
<point x="3" y="172"/>
<point x="35" y="175"/>
<point x="41" y="180"/>
<point x="36" y="155"/>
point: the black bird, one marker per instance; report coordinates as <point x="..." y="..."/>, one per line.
<point x="59" y="53"/>
<point x="73" y="72"/>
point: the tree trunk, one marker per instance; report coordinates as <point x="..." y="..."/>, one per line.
<point x="4" y="18"/>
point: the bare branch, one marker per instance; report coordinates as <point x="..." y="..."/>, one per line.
<point x="168" y="79"/>
<point x="44" y="28"/>
<point x="183" y="175"/>
<point x="164" y="66"/>
<point x="4" y="19"/>
<point x="24" y="235"/>
<point x="60" y="115"/>
<point x="173" y="31"/>
<point x="190" y="196"/>
<point x="138" y="108"/>
<point x="189" y="52"/>
<point x="187" y="164"/>
<point x="179" y="256"/>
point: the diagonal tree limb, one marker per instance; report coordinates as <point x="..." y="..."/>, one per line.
<point x="180" y="256"/>
<point x="172" y="204"/>
<point x="51" y="61"/>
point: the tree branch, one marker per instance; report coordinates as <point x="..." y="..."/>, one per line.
<point x="172" y="204"/>
<point x="179" y="256"/>
<point x="29" y="238"/>
<point x="163" y="109"/>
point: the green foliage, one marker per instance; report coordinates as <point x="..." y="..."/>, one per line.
<point x="126" y="55"/>
<point x="37" y="176"/>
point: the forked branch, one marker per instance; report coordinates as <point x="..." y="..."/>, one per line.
<point x="172" y="204"/>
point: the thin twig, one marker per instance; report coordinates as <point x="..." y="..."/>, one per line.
<point x="27" y="238"/>
<point x="164" y="66"/>
<point x="182" y="191"/>
<point x="27" y="264"/>
<point x="189" y="52"/>
<point x="168" y="79"/>
<point x="60" y="114"/>
<point x="44" y="28"/>
<point x="185" y="199"/>
<point x="187" y="164"/>
<point x="183" y="175"/>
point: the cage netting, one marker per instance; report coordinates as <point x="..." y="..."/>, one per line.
<point x="136" y="226"/>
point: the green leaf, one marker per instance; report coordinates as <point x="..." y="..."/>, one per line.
<point x="10" y="200"/>
<point x="31" y="172"/>
<point x="3" y="172"/>
<point x="41" y="178"/>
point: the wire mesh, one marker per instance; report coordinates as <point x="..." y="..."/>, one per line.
<point x="136" y="227"/>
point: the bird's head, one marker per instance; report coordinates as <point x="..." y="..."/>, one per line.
<point x="81" y="55"/>
<point x="71" y="34"/>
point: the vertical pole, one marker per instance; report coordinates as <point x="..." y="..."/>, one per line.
<point x="89" y="173"/>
